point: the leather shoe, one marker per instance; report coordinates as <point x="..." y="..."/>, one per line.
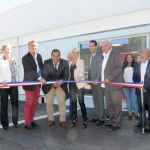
<point x="34" y="124"/>
<point x="30" y="127"/>
<point x="93" y="120"/>
<point x="16" y="125"/>
<point x="6" y="128"/>
<point x="63" y="124"/>
<point x="51" y="123"/>
<point x="100" y="123"/>
<point x="114" y="128"/>
<point x="107" y="125"/>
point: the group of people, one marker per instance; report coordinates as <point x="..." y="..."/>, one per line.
<point x="107" y="66"/>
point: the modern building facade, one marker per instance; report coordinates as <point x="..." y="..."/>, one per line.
<point x="73" y="23"/>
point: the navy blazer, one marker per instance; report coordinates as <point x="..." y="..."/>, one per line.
<point x="48" y="73"/>
<point x="137" y="75"/>
<point x="30" y="69"/>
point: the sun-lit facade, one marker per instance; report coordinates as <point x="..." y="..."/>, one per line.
<point x="73" y="23"/>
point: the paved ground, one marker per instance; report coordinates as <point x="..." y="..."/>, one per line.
<point x="56" y="138"/>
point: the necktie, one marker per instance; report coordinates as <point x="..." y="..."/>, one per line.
<point x="55" y="67"/>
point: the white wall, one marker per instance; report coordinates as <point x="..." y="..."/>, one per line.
<point x="94" y="9"/>
<point x="92" y="15"/>
<point x="99" y="25"/>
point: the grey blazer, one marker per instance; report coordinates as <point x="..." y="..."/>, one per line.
<point x="94" y="72"/>
<point x="113" y="70"/>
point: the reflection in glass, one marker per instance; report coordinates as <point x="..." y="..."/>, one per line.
<point x="132" y="45"/>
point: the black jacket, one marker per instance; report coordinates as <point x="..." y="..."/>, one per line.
<point x="30" y="69"/>
<point x="137" y="75"/>
<point x="48" y="73"/>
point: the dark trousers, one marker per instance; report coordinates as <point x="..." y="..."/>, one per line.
<point x="73" y="90"/>
<point x="13" y="92"/>
<point x="70" y="104"/>
<point x="146" y="96"/>
<point x="114" y="105"/>
<point x="70" y="109"/>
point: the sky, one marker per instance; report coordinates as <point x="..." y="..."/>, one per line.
<point x="6" y="5"/>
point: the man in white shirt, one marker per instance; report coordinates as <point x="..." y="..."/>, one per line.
<point x="112" y="72"/>
<point x="142" y="74"/>
<point x="32" y="64"/>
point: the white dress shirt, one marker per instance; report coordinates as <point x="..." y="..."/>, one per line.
<point x="38" y="69"/>
<point x="106" y="56"/>
<point x="143" y="69"/>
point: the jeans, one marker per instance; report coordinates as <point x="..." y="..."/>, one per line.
<point x="131" y="99"/>
<point x="70" y="105"/>
<point x="74" y="91"/>
<point x="105" y="108"/>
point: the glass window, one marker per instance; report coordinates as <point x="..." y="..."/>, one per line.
<point x="132" y="45"/>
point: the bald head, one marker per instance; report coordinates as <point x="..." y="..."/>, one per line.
<point x="106" y="46"/>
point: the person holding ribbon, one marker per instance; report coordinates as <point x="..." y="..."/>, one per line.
<point x="142" y="74"/>
<point x="112" y="72"/>
<point x="56" y="70"/>
<point x="77" y="74"/>
<point x="129" y="93"/>
<point x="8" y="72"/>
<point x="32" y="64"/>
<point x="94" y="74"/>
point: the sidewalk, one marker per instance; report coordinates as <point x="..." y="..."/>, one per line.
<point x="57" y="138"/>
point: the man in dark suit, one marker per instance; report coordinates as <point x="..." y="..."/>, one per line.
<point x="142" y="74"/>
<point x="32" y="64"/>
<point x="94" y="74"/>
<point x="112" y="72"/>
<point x="55" y="69"/>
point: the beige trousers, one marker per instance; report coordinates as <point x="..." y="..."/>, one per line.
<point x="60" y="95"/>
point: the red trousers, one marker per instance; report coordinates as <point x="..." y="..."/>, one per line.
<point x="30" y="104"/>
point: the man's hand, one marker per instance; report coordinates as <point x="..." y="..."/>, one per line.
<point x="59" y="83"/>
<point x="144" y="90"/>
<point x="55" y="85"/>
<point x="106" y="81"/>
<point x="95" y="83"/>
<point x="78" y="79"/>
<point x="43" y="81"/>
<point x="4" y="83"/>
